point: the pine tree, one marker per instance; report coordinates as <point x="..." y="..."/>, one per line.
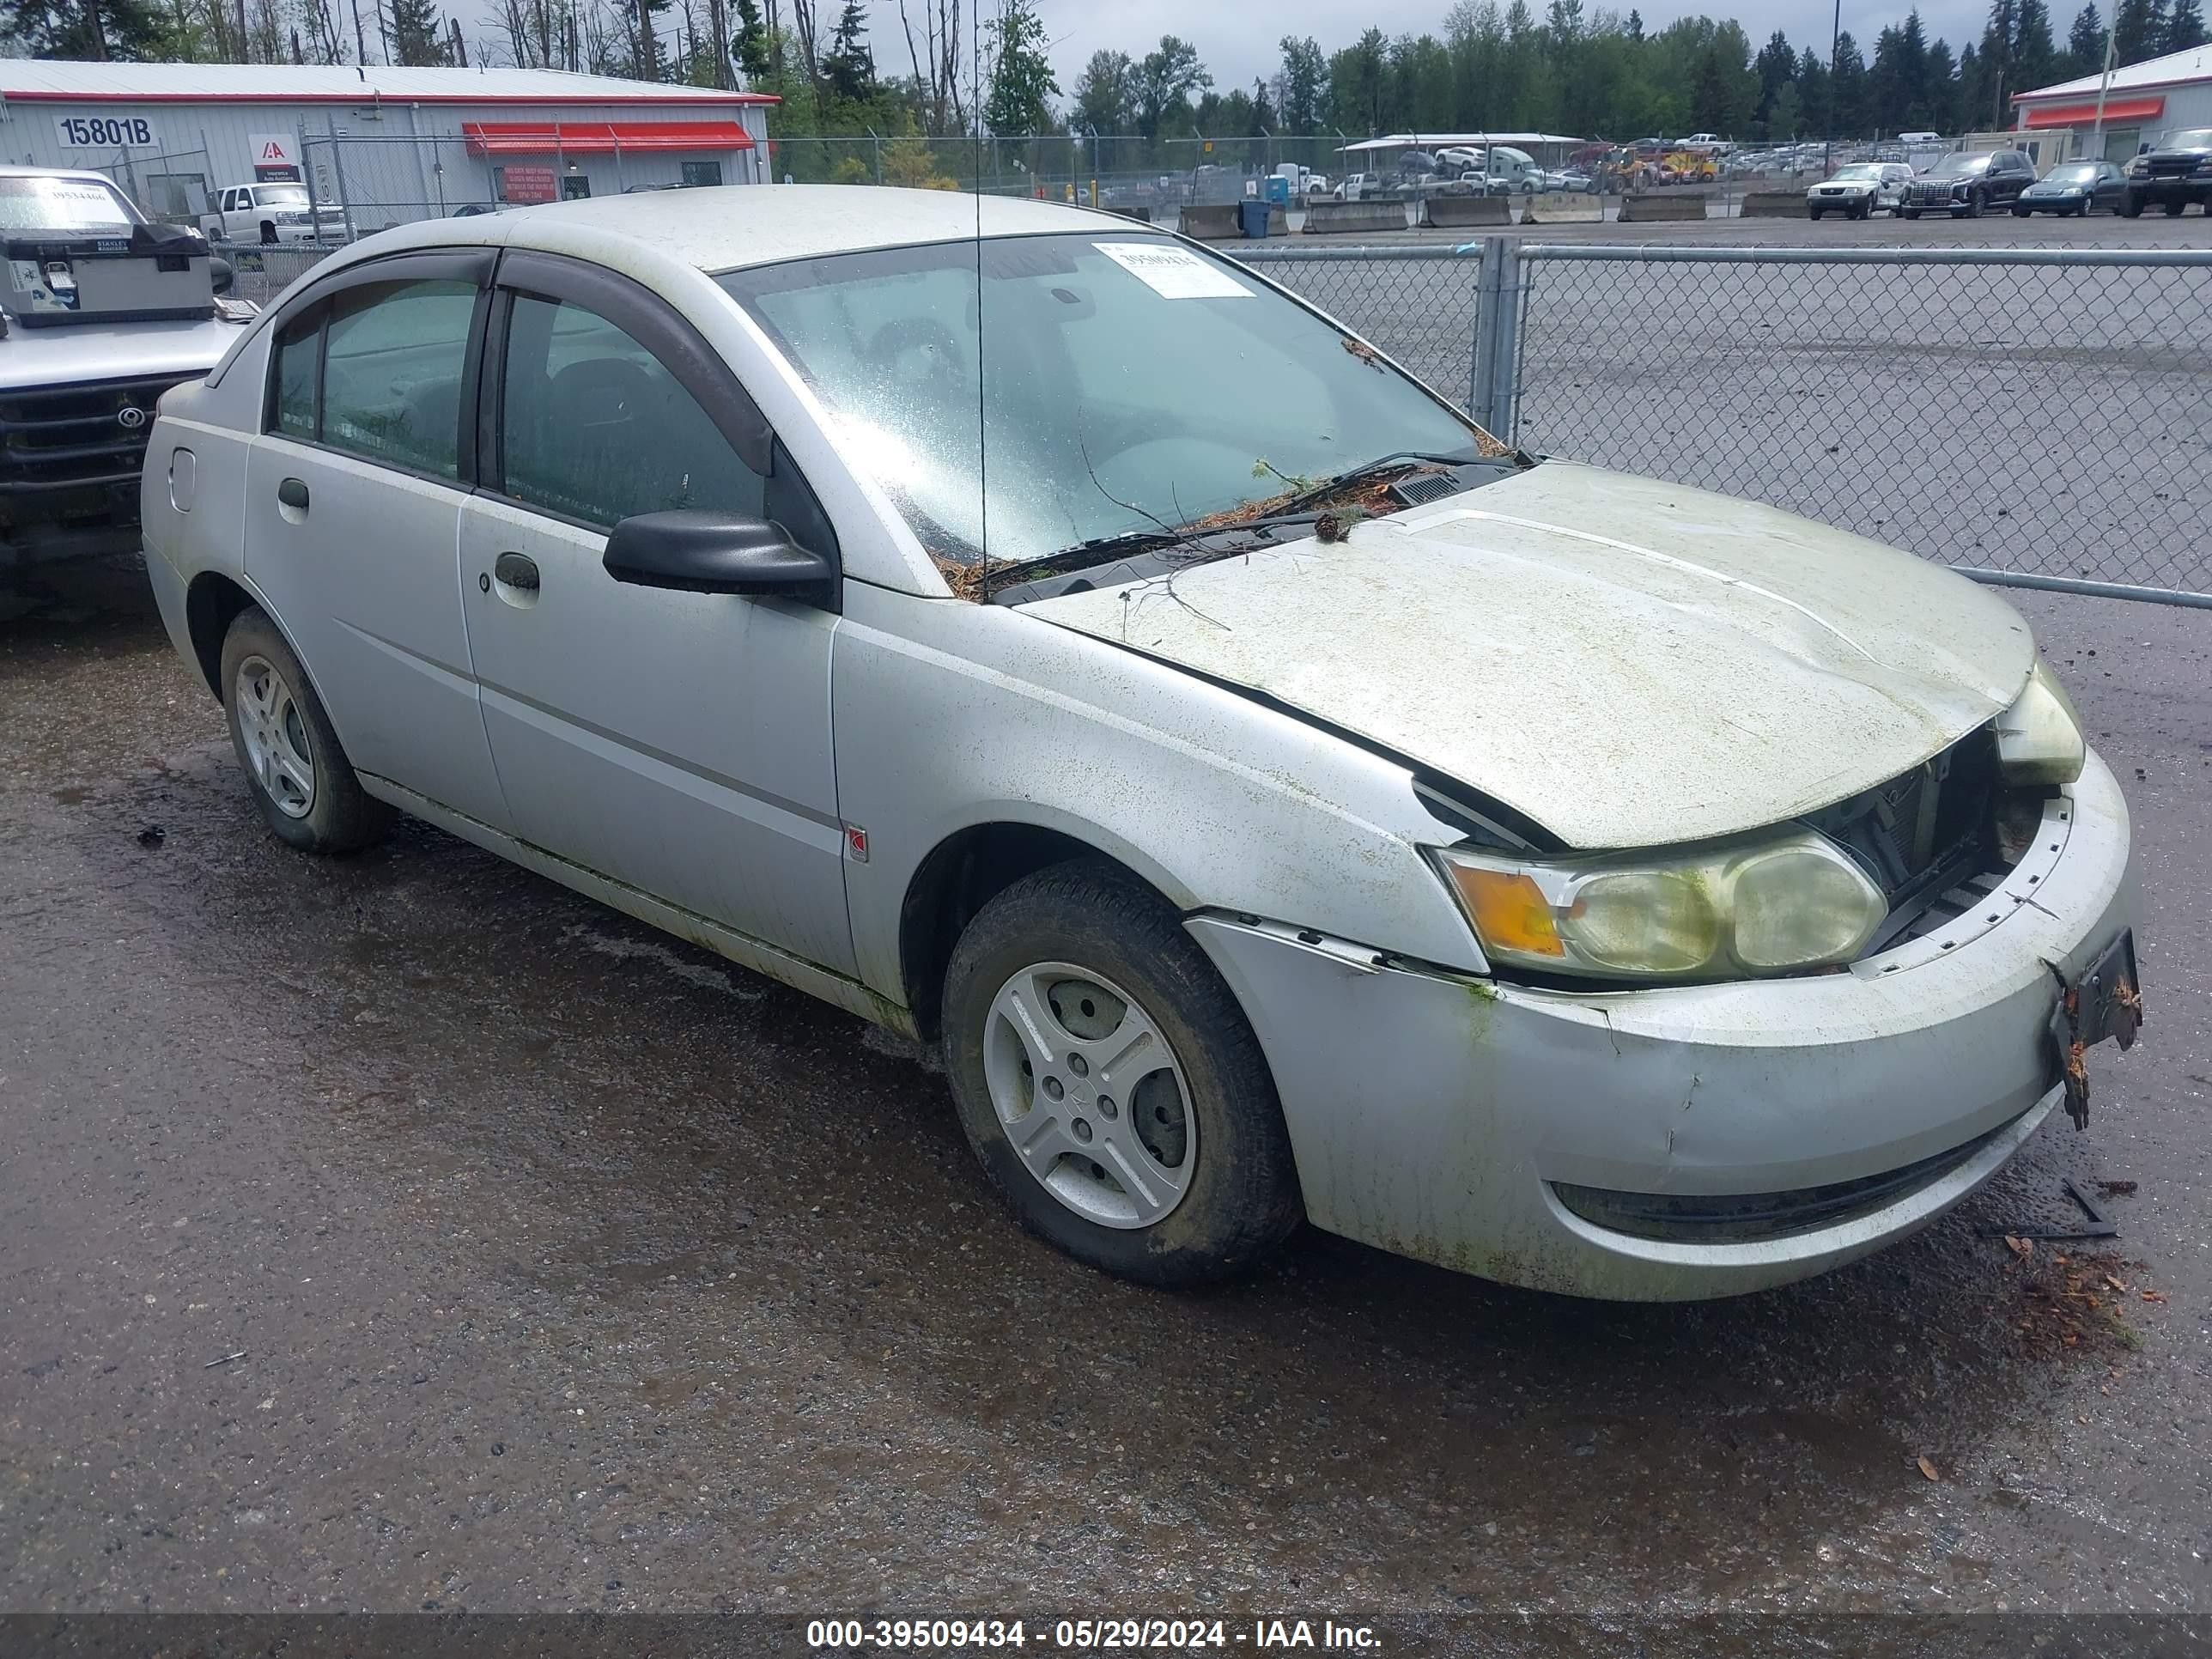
<point x="2035" y="59"/>
<point x="749" y="47"/>
<point x="2085" y="42"/>
<point x="418" y="33"/>
<point x="2185" y="27"/>
<point x="102" y="31"/>
<point x="849" y="65"/>
<point x="2138" y="31"/>
<point x="1022" y="82"/>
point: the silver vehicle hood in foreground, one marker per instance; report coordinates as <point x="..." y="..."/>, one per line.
<point x="1630" y="663"/>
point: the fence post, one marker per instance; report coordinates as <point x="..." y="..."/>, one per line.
<point x="1497" y="306"/>
<point x="337" y="171"/>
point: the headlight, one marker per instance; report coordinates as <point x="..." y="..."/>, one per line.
<point x="1748" y="907"/>
<point x="2138" y="168"/>
<point x="2039" y="737"/>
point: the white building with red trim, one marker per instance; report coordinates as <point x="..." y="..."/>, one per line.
<point x="387" y="144"/>
<point x="2143" y="102"/>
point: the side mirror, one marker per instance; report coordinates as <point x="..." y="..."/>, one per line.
<point x="221" y="274"/>
<point x="695" y="551"/>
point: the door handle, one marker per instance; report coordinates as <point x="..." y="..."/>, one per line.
<point x="514" y="570"/>
<point x="292" y="493"/>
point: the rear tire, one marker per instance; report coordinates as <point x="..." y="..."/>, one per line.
<point x="295" y="765"/>
<point x="1162" y="1155"/>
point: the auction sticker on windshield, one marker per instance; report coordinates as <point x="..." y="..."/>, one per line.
<point x="1175" y="273"/>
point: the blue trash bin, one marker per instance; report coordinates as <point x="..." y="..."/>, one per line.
<point x="1252" y="218"/>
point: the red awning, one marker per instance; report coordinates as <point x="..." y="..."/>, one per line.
<point x="2082" y="115"/>
<point x="601" y="138"/>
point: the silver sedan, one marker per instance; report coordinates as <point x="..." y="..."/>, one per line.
<point x="1281" y="801"/>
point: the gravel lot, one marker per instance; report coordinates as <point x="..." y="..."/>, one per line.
<point x="405" y="1232"/>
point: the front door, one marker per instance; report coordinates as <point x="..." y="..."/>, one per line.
<point x="353" y="508"/>
<point x="678" y="742"/>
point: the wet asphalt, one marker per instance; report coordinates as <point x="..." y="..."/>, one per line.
<point x="403" y="1231"/>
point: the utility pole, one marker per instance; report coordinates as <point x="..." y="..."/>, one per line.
<point x="1835" y="45"/>
<point x="2097" y="132"/>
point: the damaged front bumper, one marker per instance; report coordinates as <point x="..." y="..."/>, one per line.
<point x="1691" y="1141"/>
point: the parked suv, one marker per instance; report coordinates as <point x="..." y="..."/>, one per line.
<point x="2176" y="173"/>
<point x="1965" y="186"/>
<point x="100" y="312"/>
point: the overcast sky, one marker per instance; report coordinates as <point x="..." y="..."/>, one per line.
<point x="1235" y="39"/>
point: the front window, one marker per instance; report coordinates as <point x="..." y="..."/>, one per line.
<point x="50" y="204"/>
<point x="1960" y="167"/>
<point x="1860" y="172"/>
<point x="280" y="195"/>
<point x="593" y="427"/>
<point x="2077" y="173"/>
<point x="2193" y="138"/>
<point x="1113" y="384"/>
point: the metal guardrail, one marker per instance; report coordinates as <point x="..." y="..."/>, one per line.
<point x="2037" y="417"/>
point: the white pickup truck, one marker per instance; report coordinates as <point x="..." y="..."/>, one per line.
<point x="270" y="213"/>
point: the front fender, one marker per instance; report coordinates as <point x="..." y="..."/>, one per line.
<point x="950" y="714"/>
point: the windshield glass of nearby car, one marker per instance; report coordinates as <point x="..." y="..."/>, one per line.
<point x="280" y="195"/>
<point x="1114" y="386"/>
<point x="2073" y="173"/>
<point x="2193" y="138"/>
<point x="1960" y="167"/>
<point x="1861" y="172"/>
<point x="64" y="207"/>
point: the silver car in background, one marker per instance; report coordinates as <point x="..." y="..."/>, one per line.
<point x="1861" y="189"/>
<point x="1040" y="635"/>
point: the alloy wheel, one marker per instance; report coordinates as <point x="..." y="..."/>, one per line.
<point x="275" y="737"/>
<point x="1091" y="1096"/>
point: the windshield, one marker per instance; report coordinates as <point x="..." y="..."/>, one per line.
<point x="1859" y="170"/>
<point x="281" y="195"/>
<point x="2073" y="173"/>
<point x="1958" y="167"/>
<point x="2194" y="138"/>
<point x="1124" y="385"/>
<point x="56" y="206"/>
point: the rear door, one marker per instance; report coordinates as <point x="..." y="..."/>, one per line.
<point x="353" y="504"/>
<point x="677" y="743"/>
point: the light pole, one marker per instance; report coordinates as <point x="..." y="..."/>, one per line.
<point x="1835" y="45"/>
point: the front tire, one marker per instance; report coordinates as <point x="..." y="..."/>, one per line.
<point x="295" y="766"/>
<point x="2173" y="208"/>
<point x="1813" y="213"/>
<point x="1910" y="213"/>
<point x="2131" y="205"/>
<point x="1109" y="1083"/>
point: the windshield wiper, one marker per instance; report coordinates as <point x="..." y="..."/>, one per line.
<point x="1201" y="536"/>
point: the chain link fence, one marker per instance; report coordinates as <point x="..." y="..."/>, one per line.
<point x="2039" y="417"/>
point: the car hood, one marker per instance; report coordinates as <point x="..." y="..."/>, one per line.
<point x="1629" y="663"/>
<point x="70" y="353"/>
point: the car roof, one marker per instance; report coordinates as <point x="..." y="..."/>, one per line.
<point x="729" y="226"/>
